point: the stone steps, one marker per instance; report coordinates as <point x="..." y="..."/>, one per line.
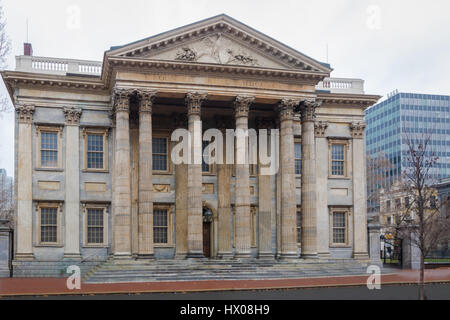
<point x="194" y="270"/>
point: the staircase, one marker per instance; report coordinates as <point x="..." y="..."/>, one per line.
<point x="114" y="271"/>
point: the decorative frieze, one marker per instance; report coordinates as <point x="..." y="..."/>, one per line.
<point x="73" y="115"/>
<point x="164" y="188"/>
<point x="242" y="105"/>
<point x="308" y="109"/>
<point x="320" y="128"/>
<point x="286" y="108"/>
<point x="194" y="102"/>
<point x="146" y="97"/>
<point x="25" y="113"/>
<point x="357" y="129"/>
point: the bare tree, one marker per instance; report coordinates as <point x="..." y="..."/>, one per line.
<point x="421" y="221"/>
<point x="5" y="47"/>
<point x="6" y="199"/>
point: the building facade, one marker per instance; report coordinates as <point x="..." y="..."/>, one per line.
<point x="95" y="176"/>
<point x="403" y="115"/>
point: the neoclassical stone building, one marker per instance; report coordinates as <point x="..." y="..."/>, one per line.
<point x="93" y="152"/>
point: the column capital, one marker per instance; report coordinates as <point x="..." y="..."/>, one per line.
<point x="72" y="115"/>
<point x="320" y="128"/>
<point x="194" y="102"/>
<point x="308" y="109"/>
<point x="121" y="99"/>
<point x="146" y="98"/>
<point x="357" y="129"/>
<point x="242" y="105"/>
<point x="25" y="113"/>
<point x="286" y="108"/>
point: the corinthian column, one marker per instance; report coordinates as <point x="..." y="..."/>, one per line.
<point x="287" y="166"/>
<point x="121" y="178"/>
<point x="24" y="184"/>
<point x="309" y="209"/>
<point x="72" y="197"/>
<point x="145" y="218"/>
<point x="359" y="191"/>
<point x="242" y="184"/>
<point x="194" y="102"/>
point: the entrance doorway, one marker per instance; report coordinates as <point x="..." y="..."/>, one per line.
<point x="207" y="234"/>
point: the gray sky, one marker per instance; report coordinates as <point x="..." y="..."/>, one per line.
<point x="399" y="44"/>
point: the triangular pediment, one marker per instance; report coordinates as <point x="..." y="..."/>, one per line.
<point x="220" y="40"/>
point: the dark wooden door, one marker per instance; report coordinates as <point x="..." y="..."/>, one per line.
<point x="207" y="239"/>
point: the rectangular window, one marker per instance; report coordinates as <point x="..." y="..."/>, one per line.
<point x="299" y="226"/>
<point x="95" y="152"/>
<point x="49" y="225"/>
<point x="95" y="149"/>
<point x="160" y="226"/>
<point x="339" y="227"/>
<point x="298" y="157"/>
<point x="159" y="154"/>
<point x="397" y="203"/>
<point x="49" y="149"/>
<point x="95" y="226"/>
<point x="338" y="160"/>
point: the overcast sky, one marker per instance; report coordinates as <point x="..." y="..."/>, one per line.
<point x="395" y="44"/>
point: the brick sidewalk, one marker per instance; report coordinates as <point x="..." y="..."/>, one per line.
<point x="57" y="286"/>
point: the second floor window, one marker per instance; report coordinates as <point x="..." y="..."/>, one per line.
<point x="49" y="149"/>
<point x="159" y="155"/>
<point x="95" y="151"/>
<point x="338" y="160"/>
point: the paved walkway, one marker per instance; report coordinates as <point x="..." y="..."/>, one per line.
<point x="57" y="286"/>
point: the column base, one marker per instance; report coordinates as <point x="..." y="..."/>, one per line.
<point x="225" y="255"/>
<point x="180" y="256"/>
<point x="324" y="255"/>
<point x="72" y="257"/>
<point x="288" y="255"/>
<point x="24" y="256"/>
<point x="242" y="255"/>
<point x="309" y="256"/>
<point x="145" y="256"/>
<point x="361" y="256"/>
<point x="122" y="256"/>
<point x="266" y="256"/>
<point x="195" y="255"/>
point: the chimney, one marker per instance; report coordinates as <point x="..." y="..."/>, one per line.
<point x="27" y="49"/>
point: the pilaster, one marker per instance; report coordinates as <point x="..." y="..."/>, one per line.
<point x="72" y="189"/>
<point x="24" y="211"/>
<point x="360" y="250"/>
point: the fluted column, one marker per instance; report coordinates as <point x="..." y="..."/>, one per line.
<point x="122" y="176"/>
<point x="309" y="199"/>
<point x="287" y="167"/>
<point x="242" y="182"/>
<point x="360" y="250"/>
<point x="72" y="189"/>
<point x="24" y="189"/>
<point x="323" y="231"/>
<point x="194" y="101"/>
<point x="145" y="215"/>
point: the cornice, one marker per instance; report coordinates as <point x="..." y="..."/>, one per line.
<point x="353" y="100"/>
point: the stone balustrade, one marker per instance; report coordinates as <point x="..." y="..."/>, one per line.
<point x="57" y="66"/>
<point x="342" y="85"/>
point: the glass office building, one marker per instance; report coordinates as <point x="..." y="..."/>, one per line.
<point x="403" y="115"/>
